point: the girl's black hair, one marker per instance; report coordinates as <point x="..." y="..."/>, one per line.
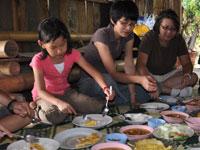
<point x="170" y="14"/>
<point x="49" y="30"/>
<point x="124" y="8"/>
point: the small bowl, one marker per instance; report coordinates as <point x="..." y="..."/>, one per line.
<point x="178" y="108"/>
<point x="192" y="108"/>
<point x="170" y="116"/>
<point x="142" y="132"/>
<point x="193" y="122"/>
<point x="116" y="137"/>
<point x="111" y="145"/>
<point x="155" y="122"/>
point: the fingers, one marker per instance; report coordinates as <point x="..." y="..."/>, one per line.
<point x="23" y="109"/>
<point x="110" y="93"/>
<point x="69" y="109"/>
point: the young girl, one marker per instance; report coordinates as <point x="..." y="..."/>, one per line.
<point x="51" y="67"/>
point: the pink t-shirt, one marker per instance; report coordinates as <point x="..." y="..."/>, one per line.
<point x="55" y="82"/>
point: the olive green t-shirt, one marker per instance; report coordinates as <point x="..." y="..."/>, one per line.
<point x="104" y="35"/>
<point x="161" y="60"/>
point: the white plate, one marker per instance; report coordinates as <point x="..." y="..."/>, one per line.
<point x="154" y="106"/>
<point x="136" y="118"/>
<point x="101" y="121"/>
<point x="48" y="144"/>
<point x="68" y="138"/>
<point x="168" y="99"/>
<point x="164" y="131"/>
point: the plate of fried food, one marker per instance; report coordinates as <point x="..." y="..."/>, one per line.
<point x="42" y="144"/>
<point x="78" y="138"/>
<point x="94" y="121"/>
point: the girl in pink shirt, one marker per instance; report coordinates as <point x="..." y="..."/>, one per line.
<point x="51" y="67"/>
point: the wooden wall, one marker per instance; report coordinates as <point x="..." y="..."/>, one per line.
<point x="81" y="16"/>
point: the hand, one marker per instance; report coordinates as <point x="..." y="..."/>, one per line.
<point x="110" y="93"/>
<point x="148" y="83"/>
<point x="4" y="131"/>
<point x="23" y="109"/>
<point x="66" y="108"/>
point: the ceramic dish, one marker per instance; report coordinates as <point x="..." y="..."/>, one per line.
<point x="110" y="146"/>
<point x="194" y="123"/>
<point x="180" y="108"/>
<point x="168" y="99"/>
<point x="94" y="121"/>
<point x="154" y="107"/>
<point x="116" y="137"/>
<point x="77" y="138"/>
<point x="174" y="116"/>
<point x="155" y="122"/>
<point x="173" y="132"/>
<point x="46" y="143"/>
<point x="135" y="118"/>
<point x="137" y="132"/>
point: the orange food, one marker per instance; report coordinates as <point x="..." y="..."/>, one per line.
<point x="176" y="116"/>
<point x="136" y="131"/>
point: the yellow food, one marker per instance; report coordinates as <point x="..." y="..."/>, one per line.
<point x="87" y="140"/>
<point x="151" y="144"/>
<point x="35" y="146"/>
<point x="140" y="29"/>
<point x="90" y="123"/>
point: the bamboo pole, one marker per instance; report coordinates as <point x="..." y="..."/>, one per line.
<point x="9" y="68"/>
<point x="17" y="83"/>
<point x="32" y="36"/>
<point x="8" y="48"/>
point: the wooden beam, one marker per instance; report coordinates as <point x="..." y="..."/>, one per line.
<point x="32" y="36"/>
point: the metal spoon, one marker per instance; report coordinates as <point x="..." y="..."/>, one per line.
<point x="106" y="109"/>
<point x="28" y="138"/>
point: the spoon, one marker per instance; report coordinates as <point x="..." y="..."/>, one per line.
<point x="28" y="138"/>
<point x="106" y="109"/>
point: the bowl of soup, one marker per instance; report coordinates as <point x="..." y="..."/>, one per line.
<point x="137" y="132"/>
<point x="111" y="146"/>
<point x="174" y="116"/>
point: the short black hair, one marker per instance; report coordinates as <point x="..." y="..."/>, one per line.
<point x="170" y="14"/>
<point x="50" y="29"/>
<point x="124" y="8"/>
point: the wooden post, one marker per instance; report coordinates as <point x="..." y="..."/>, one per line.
<point x="9" y="68"/>
<point x="8" y="48"/>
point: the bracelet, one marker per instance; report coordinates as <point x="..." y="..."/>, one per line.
<point x="10" y="106"/>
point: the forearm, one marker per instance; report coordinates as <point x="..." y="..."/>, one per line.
<point x="125" y="78"/>
<point x="14" y="122"/>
